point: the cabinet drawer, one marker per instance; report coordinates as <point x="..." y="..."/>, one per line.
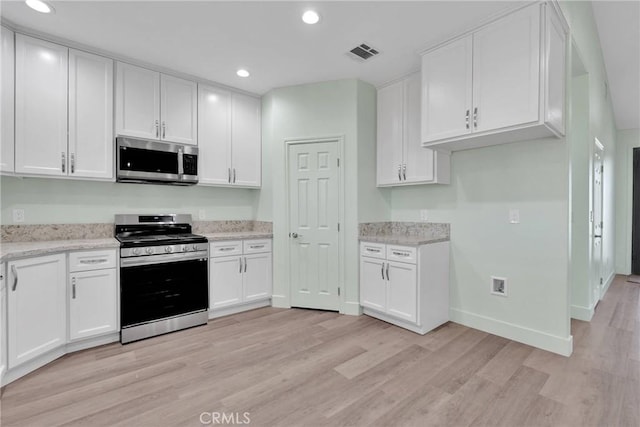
<point x="401" y="253"/>
<point x="373" y="250"/>
<point x="92" y="260"/>
<point x="257" y="246"/>
<point x="226" y="248"/>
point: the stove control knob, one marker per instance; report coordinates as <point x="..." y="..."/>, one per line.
<point x="195" y="247"/>
<point x="168" y="249"/>
<point x="184" y="248"/>
<point x="149" y="251"/>
<point x="136" y="251"/>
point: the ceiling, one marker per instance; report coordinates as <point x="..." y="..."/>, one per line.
<point x="619" y="30"/>
<point x="212" y="39"/>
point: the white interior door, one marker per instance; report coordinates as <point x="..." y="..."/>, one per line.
<point x="313" y="217"/>
<point x="596" y="224"/>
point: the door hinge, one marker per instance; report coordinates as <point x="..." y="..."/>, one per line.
<point x="590" y="216"/>
<point x="338" y="291"/>
<point x="602" y="168"/>
<point x="338" y="159"/>
<point x="601" y="280"/>
<point x="338" y="226"/>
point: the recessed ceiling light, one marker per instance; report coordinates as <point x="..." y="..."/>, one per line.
<point x="242" y="73"/>
<point x="310" y="17"/>
<point x="40" y="6"/>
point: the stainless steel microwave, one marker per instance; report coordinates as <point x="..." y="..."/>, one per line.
<point x="155" y="162"/>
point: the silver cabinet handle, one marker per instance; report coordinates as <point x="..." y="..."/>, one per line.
<point x="382" y="270"/>
<point x="234" y="175"/>
<point x="401" y="253"/>
<point x="64" y="162"/>
<point x="226" y="249"/>
<point x="387" y="271"/>
<point x="245" y="264"/>
<point x="239" y="264"/>
<point x="157" y="129"/>
<point x="256" y="246"/>
<point x="399" y="175"/>
<point x="73" y="288"/>
<point x="475" y="117"/>
<point x="93" y="261"/>
<point x="15" y="278"/>
<point x="229" y="175"/>
<point x="377" y="251"/>
<point x="404" y="172"/>
<point x="466" y="119"/>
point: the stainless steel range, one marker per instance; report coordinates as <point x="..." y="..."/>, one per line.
<point x="163" y="275"/>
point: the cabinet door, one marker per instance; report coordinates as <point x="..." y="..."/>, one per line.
<point x="257" y="277"/>
<point x="418" y="162"/>
<point x="93" y="303"/>
<point x="506" y="71"/>
<point x="8" y="95"/>
<point x="225" y="282"/>
<point x="36" y="307"/>
<point x="555" y="92"/>
<point x="214" y="136"/>
<point x="402" y="291"/>
<point x="90" y="115"/>
<point x="137" y="101"/>
<point x="41" y="107"/>
<point x="246" y="141"/>
<point x="446" y="91"/>
<point x="179" y="110"/>
<point x="390" y="133"/>
<point x="3" y="322"/>
<point x="372" y="283"/>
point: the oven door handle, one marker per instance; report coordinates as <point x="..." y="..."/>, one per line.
<point x="161" y="259"/>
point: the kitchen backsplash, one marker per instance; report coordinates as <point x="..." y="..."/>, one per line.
<point x="41" y="232"/>
<point x="413" y="229"/>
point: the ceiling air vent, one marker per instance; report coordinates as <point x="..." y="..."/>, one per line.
<point x="363" y="52"/>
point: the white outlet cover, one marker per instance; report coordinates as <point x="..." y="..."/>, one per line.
<point x="201" y="214"/>
<point x="424" y="214"/>
<point x="18" y="215"/>
<point x="514" y="216"/>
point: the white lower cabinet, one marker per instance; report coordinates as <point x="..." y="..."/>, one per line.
<point x="240" y="276"/>
<point x="406" y="286"/>
<point x="3" y="322"/>
<point x="93" y="294"/>
<point x="36" y="307"/>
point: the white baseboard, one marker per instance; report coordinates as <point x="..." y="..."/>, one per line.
<point x="351" y="308"/>
<point x="532" y="337"/>
<point x="582" y="313"/>
<point x="219" y="312"/>
<point x="280" y="301"/>
<point x="605" y="288"/>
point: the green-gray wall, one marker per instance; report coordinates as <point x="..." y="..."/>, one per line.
<point x="627" y="141"/>
<point x="58" y="201"/>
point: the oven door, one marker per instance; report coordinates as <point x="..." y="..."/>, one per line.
<point x="162" y="286"/>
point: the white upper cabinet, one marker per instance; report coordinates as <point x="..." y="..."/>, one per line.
<point x="90" y="115"/>
<point x="155" y="106"/>
<point x="502" y="83"/>
<point x="214" y="136"/>
<point x="137" y="101"/>
<point x="8" y="95"/>
<point x="229" y="138"/>
<point x="41" y="107"/>
<point x="246" y="149"/>
<point x="401" y="158"/>
<point x="178" y="110"/>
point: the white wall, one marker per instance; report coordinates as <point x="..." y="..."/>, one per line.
<point x="60" y="201"/>
<point x="627" y="141"/>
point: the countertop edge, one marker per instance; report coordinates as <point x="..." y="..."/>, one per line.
<point x="403" y="240"/>
<point x="15" y="250"/>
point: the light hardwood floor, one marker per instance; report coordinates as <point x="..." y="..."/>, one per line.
<point x="303" y="367"/>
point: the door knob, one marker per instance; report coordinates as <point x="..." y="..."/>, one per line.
<point x="294" y="235"/>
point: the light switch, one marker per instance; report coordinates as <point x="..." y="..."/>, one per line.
<point x="18" y="215"/>
<point x="514" y="216"/>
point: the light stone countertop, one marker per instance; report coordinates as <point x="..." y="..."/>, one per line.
<point x="400" y="239"/>
<point x="237" y="235"/>
<point x="13" y="250"/>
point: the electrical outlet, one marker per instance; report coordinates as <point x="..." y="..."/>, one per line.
<point x="499" y="286"/>
<point x="201" y="214"/>
<point x="18" y="215"/>
<point x="514" y="216"/>
<point x="424" y="214"/>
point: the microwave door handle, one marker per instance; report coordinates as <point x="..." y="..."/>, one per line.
<point x="180" y="162"/>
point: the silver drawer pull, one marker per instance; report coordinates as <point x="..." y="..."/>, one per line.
<point x="373" y="250"/>
<point x="93" y="261"/>
<point x="257" y="246"/>
<point x="226" y="249"/>
<point x="401" y="253"/>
